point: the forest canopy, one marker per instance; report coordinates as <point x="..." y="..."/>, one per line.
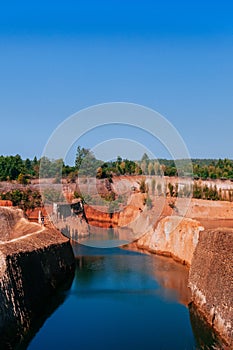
<point x="16" y="168"/>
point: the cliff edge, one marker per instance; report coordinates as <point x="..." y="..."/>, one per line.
<point x="211" y="280"/>
<point x="174" y="236"/>
<point x="32" y="267"/>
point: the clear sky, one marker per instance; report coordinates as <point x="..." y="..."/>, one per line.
<point x="57" y="57"/>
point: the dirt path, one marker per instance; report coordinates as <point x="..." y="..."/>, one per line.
<point x="215" y="223"/>
<point x="23" y="236"/>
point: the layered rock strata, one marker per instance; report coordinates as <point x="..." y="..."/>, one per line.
<point x="211" y="280"/>
<point x="32" y="268"/>
<point x="174" y="236"/>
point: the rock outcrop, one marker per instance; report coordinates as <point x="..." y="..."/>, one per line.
<point x="99" y="217"/>
<point x="211" y="280"/>
<point x="32" y="267"/>
<point x="174" y="236"/>
<point x="73" y="227"/>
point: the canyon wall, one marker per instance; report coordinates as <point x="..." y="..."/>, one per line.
<point x="98" y="216"/>
<point x="209" y="253"/>
<point x="32" y="268"/>
<point x="10" y="219"/>
<point x="174" y="236"/>
<point x="211" y="280"/>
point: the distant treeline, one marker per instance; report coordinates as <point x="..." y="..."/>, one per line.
<point x="15" y="168"/>
<point x="200" y="168"/>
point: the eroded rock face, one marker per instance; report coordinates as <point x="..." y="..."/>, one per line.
<point x="8" y="218"/>
<point x="211" y="280"/>
<point x="73" y="227"/>
<point x="13" y="224"/>
<point x="99" y="217"/>
<point x="31" y="270"/>
<point x="174" y="236"/>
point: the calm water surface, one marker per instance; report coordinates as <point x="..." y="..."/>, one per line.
<point x="121" y="300"/>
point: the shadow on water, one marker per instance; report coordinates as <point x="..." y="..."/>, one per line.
<point x="124" y="300"/>
<point x="12" y="337"/>
<point x="206" y="338"/>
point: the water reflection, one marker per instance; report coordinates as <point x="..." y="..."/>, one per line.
<point x="122" y="300"/>
<point x="173" y="277"/>
<point x="118" y="299"/>
<point x="14" y="337"/>
<point x="206" y="338"/>
<point x="154" y="274"/>
<point x="108" y="237"/>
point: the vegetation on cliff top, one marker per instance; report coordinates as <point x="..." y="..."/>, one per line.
<point x="15" y="168"/>
<point x="26" y="199"/>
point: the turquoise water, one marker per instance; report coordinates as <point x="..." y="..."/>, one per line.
<point x="121" y="300"/>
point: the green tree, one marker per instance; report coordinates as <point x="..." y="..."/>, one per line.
<point x="148" y="202"/>
<point x="197" y="191"/>
<point x="23" y="179"/>
<point x="35" y="167"/>
<point x="25" y="199"/>
<point x="51" y="168"/>
<point x="80" y="155"/>
<point x="144" y="167"/>
<point x="171" y="190"/>
<point x="142" y="186"/>
<point x="86" y="163"/>
<point x="145" y="158"/>
<point x="150" y="168"/>
<point x="51" y="195"/>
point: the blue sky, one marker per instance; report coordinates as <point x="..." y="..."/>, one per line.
<point x="57" y="57"/>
